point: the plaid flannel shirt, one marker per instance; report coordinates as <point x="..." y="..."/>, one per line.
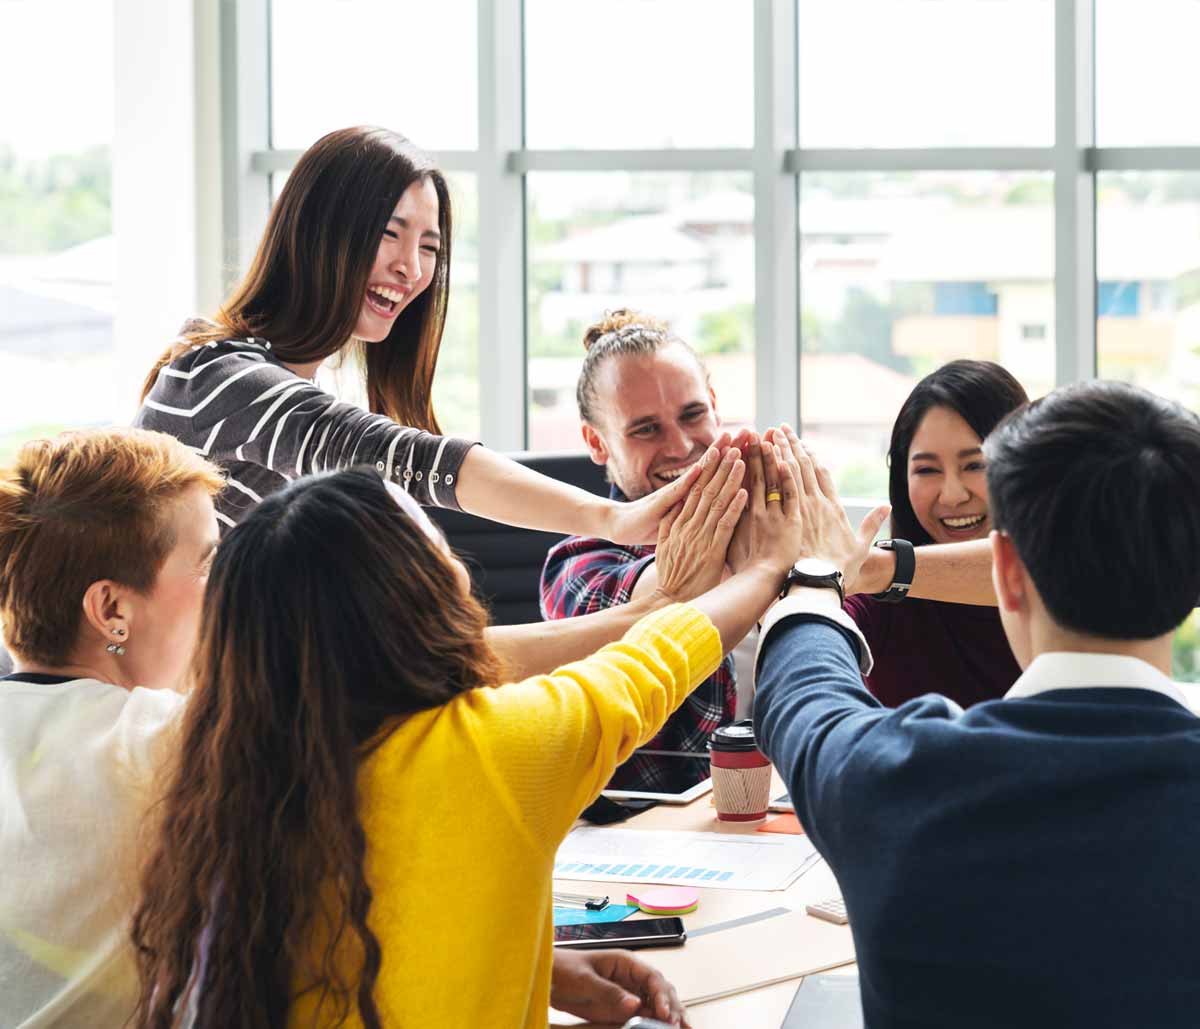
<point x="582" y="575"/>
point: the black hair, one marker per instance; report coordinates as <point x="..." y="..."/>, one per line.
<point x="1098" y="486"/>
<point x="982" y="392"/>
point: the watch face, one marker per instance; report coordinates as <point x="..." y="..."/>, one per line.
<point x="817" y="568"/>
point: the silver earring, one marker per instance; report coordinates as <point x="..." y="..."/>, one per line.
<point x="118" y="632"/>
<point x="115" y="648"/>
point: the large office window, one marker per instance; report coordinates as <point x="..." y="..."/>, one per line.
<point x="901" y="272"/>
<point x="827" y="198"/>
<point x="56" y="242"/>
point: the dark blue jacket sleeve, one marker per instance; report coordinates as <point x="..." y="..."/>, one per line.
<point x="848" y="761"/>
<point x="810" y="711"/>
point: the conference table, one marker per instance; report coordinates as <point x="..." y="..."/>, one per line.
<point x="763" y="1006"/>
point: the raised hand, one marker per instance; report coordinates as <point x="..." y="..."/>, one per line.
<point x="693" y="538"/>
<point x="638" y="520"/>
<point x="823" y="530"/>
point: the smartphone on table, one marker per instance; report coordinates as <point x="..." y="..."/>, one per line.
<point x="641" y="932"/>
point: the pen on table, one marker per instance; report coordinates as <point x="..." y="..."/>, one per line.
<point x="581" y="900"/>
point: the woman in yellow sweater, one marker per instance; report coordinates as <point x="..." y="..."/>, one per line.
<point x="355" y="833"/>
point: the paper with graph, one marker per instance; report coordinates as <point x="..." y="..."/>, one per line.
<point x="711" y="860"/>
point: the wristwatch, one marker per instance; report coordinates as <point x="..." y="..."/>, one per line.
<point x="813" y="571"/>
<point x="906" y="567"/>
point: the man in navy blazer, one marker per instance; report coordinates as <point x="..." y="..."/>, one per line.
<point x="1035" y="860"/>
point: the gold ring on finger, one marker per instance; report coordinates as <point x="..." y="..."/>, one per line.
<point x="774" y="496"/>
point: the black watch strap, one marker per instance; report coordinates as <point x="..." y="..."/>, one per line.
<point x="906" y="567"/>
<point x="831" y="580"/>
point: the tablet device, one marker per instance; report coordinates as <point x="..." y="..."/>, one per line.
<point x="781" y="803"/>
<point x="686" y="797"/>
<point x="825" y="1002"/>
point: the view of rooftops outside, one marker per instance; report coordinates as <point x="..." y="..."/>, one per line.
<point x="676" y="246"/>
<point x="56" y="245"/>
<point x="1148" y="261"/>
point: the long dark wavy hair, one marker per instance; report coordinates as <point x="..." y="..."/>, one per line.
<point x="981" y="392"/>
<point x="329" y="615"/>
<point x="304" y="289"/>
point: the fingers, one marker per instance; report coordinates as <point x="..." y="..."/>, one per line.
<point x="662" y="500"/>
<point x="668" y="520"/>
<point x="772" y="461"/>
<point x="658" y="997"/>
<point x="742" y="440"/>
<point x="789" y="484"/>
<point x="754" y="481"/>
<point x="808" y="473"/>
<point x="718" y="504"/>
<point x="710" y="464"/>
<point x="726" y="525"/>
<point x="870" y="526"/>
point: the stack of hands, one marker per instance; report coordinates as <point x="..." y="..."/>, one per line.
<point x="758" y="501"/>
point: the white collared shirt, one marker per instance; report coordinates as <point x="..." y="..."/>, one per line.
<point x="1062" y="670"/>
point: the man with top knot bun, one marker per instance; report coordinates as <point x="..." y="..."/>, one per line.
<point x="648" y="413"/>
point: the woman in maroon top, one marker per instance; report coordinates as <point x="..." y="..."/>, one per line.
<point x="937" y="487"/>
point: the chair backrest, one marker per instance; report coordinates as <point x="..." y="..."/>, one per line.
<point x="506" y="563"/>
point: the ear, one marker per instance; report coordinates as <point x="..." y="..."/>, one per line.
<point x="595" y="444"/>
<point x="712" y="399"/>
<point x="106" y="606"/>
<point x="1009" y="577"/>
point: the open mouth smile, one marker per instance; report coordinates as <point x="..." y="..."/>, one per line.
<point x="964" y="522"/>
<point x="385" y="300"/>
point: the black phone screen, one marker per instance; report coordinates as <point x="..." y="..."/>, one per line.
<point x="642" y="932"/>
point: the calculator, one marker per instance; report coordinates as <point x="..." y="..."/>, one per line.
<point x="832" y="910"/>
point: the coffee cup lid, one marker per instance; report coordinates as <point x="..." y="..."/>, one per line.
<point x="736" y="736"/>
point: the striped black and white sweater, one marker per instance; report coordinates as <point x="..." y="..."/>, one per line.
<point x="235" y="403"/>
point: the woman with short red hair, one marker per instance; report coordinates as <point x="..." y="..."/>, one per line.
<point x="106" y="537"/>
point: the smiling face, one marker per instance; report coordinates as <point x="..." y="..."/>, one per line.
<point x="657" y="416"/>
<point x="405" y="262"/>
<point x="947" y="480"/>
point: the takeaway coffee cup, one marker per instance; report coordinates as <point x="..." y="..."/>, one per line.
<point x="741" y="774"/>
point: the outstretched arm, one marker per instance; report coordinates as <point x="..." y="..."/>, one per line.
<point x="496" y="487"/>
<point x="958" y="573"/>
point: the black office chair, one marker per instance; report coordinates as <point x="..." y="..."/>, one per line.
<point x="506" y="563"/>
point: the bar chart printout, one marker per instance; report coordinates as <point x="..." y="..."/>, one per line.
<point x="711" y="860"/>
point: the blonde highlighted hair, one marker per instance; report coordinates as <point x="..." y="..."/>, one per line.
<point x="78" y="508"/>
<point x="619" y="333"/>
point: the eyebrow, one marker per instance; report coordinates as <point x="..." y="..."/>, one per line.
<point x="926" y="456"/>
<point x="403" y="223"/>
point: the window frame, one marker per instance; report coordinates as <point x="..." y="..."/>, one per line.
<point x="775" y="162"/>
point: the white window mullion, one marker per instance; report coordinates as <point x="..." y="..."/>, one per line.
<point x="245" y="129"/>
<point x="1074" y="192"/>
<point x="502" y="301"/>
<point x="776" y="240"/>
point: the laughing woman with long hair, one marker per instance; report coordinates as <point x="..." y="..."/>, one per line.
<point x="355" y="832"/>
<point x="356" y="254"/>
